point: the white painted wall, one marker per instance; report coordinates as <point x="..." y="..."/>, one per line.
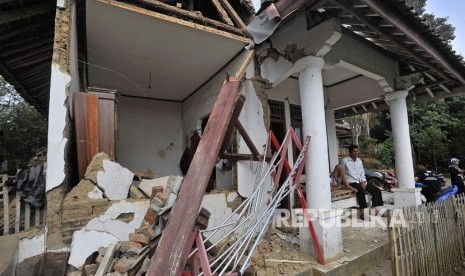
<point x="62" y="87"/>
<point x="151" y="135"/>
<point x="252" y="119"/>
<point x="31" y="247"/>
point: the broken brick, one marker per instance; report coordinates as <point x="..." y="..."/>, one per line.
<point x="150" y="216"/>
<point x="121" y="267"/>
<point x="147" y="231"/>
<point x="156" y="190"/>
<point x="161" y="197"/>
<point x="139" y="238"/>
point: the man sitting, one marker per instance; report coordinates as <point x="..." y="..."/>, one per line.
<point x="355" y="180"/>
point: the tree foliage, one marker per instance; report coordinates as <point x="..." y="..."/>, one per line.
<point x="438" y="25"/>
<point x="24" y="129"/>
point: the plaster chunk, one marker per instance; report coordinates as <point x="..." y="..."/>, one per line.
<point x="109" y="223"/>
<point x="85" y="243"/>
<point x="216" y="204"/>
<point x="231" y="196"/>
<point x="95" y="166"/>
<point x="169" y="183"/>
<point x="114" y="180"/>
<point x="96" y="193"/>
<point x="31" y="247"/>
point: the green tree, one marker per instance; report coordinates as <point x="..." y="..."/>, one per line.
<point x="386" y="154"/>
<point x="24" y="129"/>
<point x="439" y="25"/>
<point x="432" y="141"/>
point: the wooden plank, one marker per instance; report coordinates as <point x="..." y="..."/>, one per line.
<point x="27" y="216"/>
<point x="222" y="12"/>
<point x="417" y="37"/>
<point x="107" y="123"/>
<point x="242" y="157"/>
<point x="37" y="217"/>
<point x="87" y="131"/>
<point x="235" y="17"/>
<point x="18" y="213"/>
<point x="6" y="206"/>
<point x="106" y="262"/>
<point x="247" y="139"/>
<point x="393" y="245"/>
<point x="175" y="243"/>
<point x="159" y="6"/>
<point x="26" y="11"/>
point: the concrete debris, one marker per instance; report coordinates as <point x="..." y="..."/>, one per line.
<point x="85" y="243"/>
<point x="136" y="193"/>
<point x="30" y="247"/>
<point x="96" y="193"/>
<point x="139" y="174"/>
<point x="84" y="190"/>
<point x="95" y="166"/>
<point x="170" y="184"/>
<point x="109" y="223"/>
<point x="114" y="180"/>
<point x="217" y="204"/>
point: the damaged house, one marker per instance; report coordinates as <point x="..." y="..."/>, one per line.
<point x="138" y="81"/>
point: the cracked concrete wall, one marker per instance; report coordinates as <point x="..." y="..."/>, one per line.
<point x="64" y="82"/>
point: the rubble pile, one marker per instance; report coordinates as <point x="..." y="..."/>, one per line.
<point x="115" y="221"/>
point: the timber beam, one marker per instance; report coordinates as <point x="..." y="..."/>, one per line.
<point x="176" y="243"/>
<point x="26" y="11"/>
<point x="369" y="23"/>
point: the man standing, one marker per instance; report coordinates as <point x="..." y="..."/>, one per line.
<point x="356" y="181"/>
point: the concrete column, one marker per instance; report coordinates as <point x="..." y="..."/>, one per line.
<point x="405" y="193"/>
<point x="316" y="164"/>
<point x="333" y="145"/>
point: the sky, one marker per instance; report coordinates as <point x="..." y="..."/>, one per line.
<point x="455" y="10"/>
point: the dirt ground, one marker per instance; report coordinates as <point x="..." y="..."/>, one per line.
<point x="281" y="254"/>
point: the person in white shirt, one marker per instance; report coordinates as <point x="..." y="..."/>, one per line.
<point x="355" y="179"/>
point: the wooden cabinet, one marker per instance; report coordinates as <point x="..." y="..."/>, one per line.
<point x="96" y="120"/>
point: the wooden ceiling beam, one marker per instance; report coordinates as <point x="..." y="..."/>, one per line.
<point x="26" y="11"/>
<point x="21" y="89"/>
<point x="27" y="47"/>
<point x="345" y="5"/>
<point x="31" y="61"/>
<point x="26" y="30"/>
<point x="28" y="54"/>
<point x="417" y="37"/>
<point x="22" y="42"/>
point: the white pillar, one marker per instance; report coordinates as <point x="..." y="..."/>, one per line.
<point x="333" y="145"/>
<point x="316" y="164"/>
<point x="405" y="193"/>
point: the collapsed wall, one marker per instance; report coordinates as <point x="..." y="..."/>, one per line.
<point x="64" y="81"/>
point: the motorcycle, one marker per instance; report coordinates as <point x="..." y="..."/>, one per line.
<point x="439" y="196"/>
<point x="385" y="181"/>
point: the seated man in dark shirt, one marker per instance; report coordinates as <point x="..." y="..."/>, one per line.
<point x="429" y="180"/>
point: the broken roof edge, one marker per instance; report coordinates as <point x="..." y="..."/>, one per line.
<point x="21" y="90"/>
<point x="226" y="31"/>
<point x="425" y="40"/>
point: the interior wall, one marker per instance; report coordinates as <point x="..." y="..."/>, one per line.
<point x="200" y="105"/>
<point x="150" y="135"/>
